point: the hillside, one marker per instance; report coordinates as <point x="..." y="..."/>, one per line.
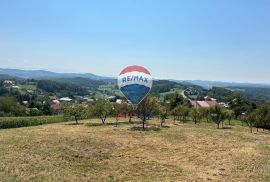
<point x="92" y="152"/>
<point x="253" y="93"/>
<point x="99" y="86"/>
<point x="210" y="84"/>
<point x="82" y="82"/>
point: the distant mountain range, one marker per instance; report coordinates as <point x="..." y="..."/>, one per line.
<point x="210" y="84"/>
<point x="42" y="74"/>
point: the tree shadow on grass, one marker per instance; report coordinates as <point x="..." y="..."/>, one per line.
<point x="226" y="128"/>
<point x="99" y="124"/>
<point x="165" y="126"/>
<point x="261" y="131"/>
<point x="149" y="128"/>
<point x="71" y="124"/>
<point x="127" y="122"/>
<point x="113" y="123"/>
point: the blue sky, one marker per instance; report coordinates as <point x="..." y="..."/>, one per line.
<point x="225" y="40"/>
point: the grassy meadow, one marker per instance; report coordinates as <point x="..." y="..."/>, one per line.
<point x="90" y="151"/>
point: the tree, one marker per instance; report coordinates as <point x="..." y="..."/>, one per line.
<point x="262" y="116"/>
<point x="124" y="108"/>
<point x="116" y="112"/>
<point x="130" y="110"/>
<point x="77" y="111"/>
<point x="229" y="115"/>
<point x="184" y="112"/>
<point x="10" y="107"/>
<point x="127" y="109"/>
<point x="46" y="108"/>
<point x="205" y="113"/>
<point x="217" y="114"/>
<point x="101" y="109"/>
<point x="34" y="112"/>
<point x="180" y="112"/>
<point x="176" y="112"/>
<point x="250" y="119"/>
<point x="268" y="120"/>
<point x="175" y="99"/>
<point x="162" y="113"/>
<point x="146" y="108"/>
<point x="196" y="114"/>
<point x="238" y="105"/>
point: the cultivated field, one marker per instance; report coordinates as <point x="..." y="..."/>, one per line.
<point x="92" y="152"/>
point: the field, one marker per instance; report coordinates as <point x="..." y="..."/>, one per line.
<point x="23" y="88"/>
<point x="92" y="152"/>
<point x="164" y="94"/>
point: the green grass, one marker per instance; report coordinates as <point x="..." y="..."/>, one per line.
<point x="17" y="122"/>
<point x="91" y="151"/>
<point x="110" y="89"/>
<point x="23" y="88"/>
<point x="235" y="122"/>
<point x="162" y="95"/>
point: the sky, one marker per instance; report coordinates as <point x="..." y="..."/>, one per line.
<point x="224" y="40"/>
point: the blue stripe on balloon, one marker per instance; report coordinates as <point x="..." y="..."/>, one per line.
<point x="135" y="92"/>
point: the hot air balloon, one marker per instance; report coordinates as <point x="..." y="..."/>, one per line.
<point x="135" y="82"/>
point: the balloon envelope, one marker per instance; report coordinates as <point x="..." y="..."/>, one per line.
<point x="135" y="82"/>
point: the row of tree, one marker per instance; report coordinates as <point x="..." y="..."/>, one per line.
<point x="257" y="116"/>
<point x="178" y="108"/>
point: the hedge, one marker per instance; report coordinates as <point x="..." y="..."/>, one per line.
<point x="17" y="122"/>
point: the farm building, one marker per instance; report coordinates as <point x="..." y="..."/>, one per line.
<point x="55" y="105"/>
<point x="208" y="102"/>
<point x="8" y="83"/>
<point x="65" y="99"/>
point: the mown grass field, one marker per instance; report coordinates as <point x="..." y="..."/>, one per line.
<point x="92" y="152"/>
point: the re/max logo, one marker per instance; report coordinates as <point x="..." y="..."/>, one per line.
<point x="134" y="78"/>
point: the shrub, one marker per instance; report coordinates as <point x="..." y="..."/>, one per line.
<point x="16" y="122"/>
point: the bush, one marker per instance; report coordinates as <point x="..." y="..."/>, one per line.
<point x="16" y="122"/>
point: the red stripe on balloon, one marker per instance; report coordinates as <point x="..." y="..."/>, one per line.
<point x="135" y="68"/>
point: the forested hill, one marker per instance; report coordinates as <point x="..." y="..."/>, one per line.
<point x="254" y="94"/>
<point x="82" y="82"/>
<point x="90" y="84"/>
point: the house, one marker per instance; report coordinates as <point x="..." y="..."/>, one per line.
<point x="226" y="105"/>
<point x="112" y="98"/>
<point x="8" y="83"/>
<point x="88" y="100"/>
<point x="119" y="101"/>
<point x="56" y="105"/>
<point x="65" y="99"/>
<point x="30" y="91"/>
<point x="208" y="102"/>
<point x="25" y="103"/>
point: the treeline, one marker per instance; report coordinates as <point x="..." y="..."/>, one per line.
<point x="9" y="106"/>
<point x="255" y="94"/>
<point x="161" y="86"/>
<point x="221" y="94"/>
<point x="252" y="94"/>
<point x="257" y="116"/>
<point x="90" y="84"/>
<point x="179" y="108"/>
